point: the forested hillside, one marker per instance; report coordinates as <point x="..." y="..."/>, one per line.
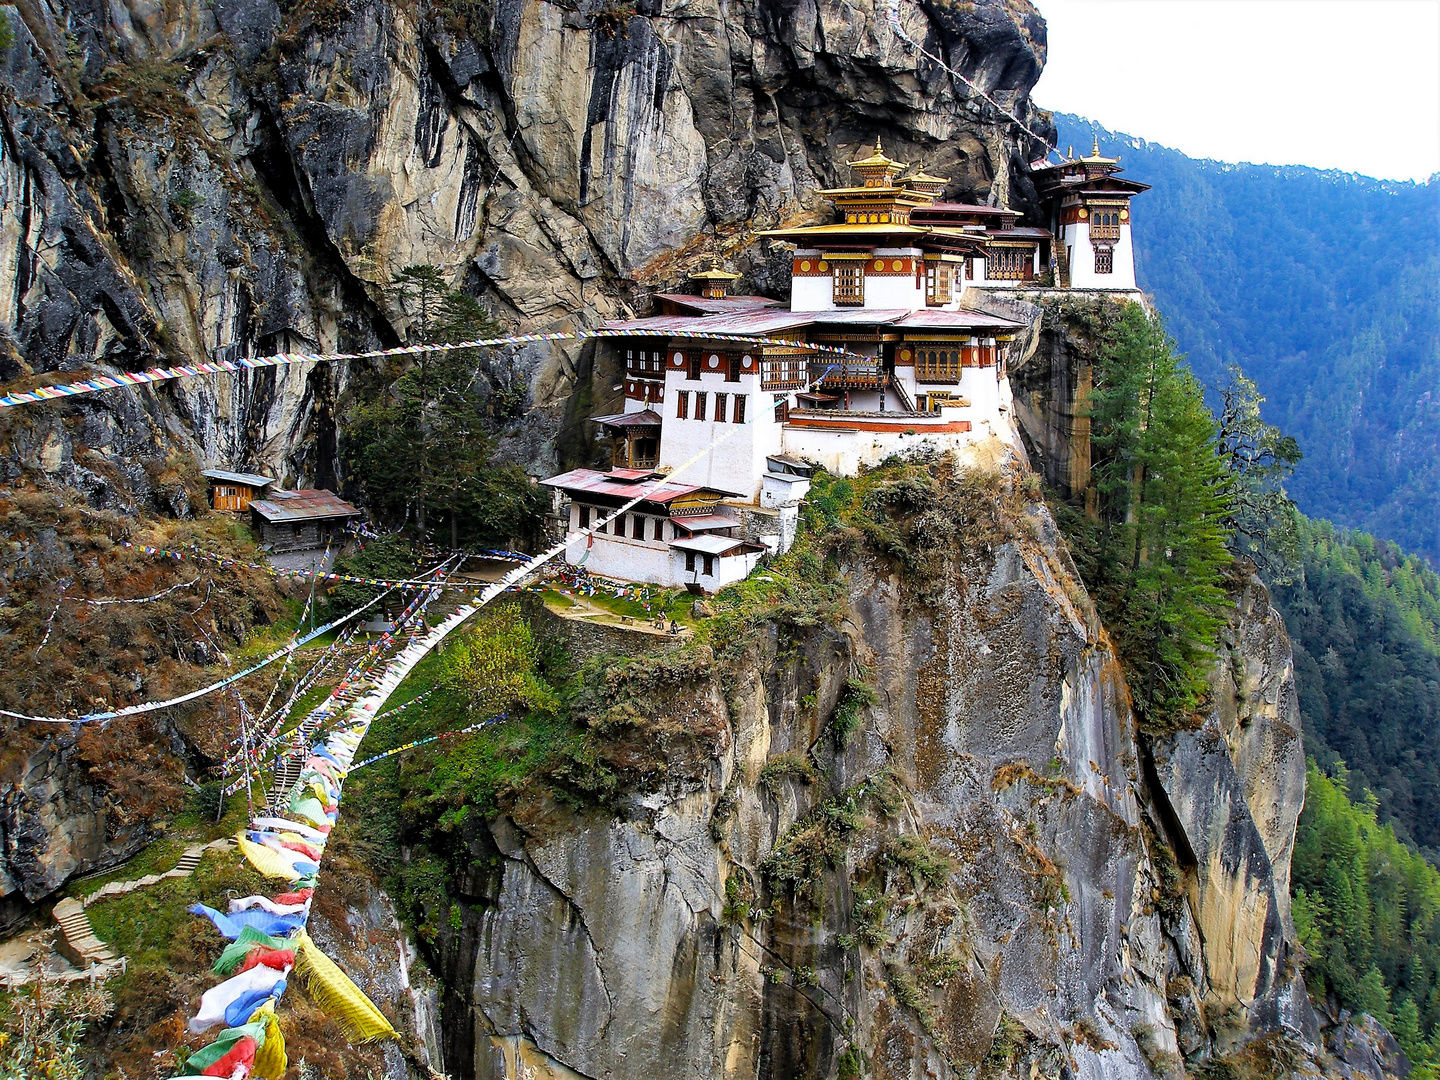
<point x="1323" y="287"/>
<point x="1364" y="620"/>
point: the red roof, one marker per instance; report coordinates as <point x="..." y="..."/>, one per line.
<point x="594" y="482"/>
<point x="718" y="305"/>
<point x="1026" y="233"/>
<point x="629" y="476"/>
<point x="966" y="208"/>
<point x="286" y="507"/>
<point x="940" y="319"/>
<point x="748" y="321"/>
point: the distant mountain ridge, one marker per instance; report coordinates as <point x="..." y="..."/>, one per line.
<point x="1325" y="287"/>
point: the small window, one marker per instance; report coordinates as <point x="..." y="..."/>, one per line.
<point x="849" y="282"/>
<point x="659" y="529"/>
<point x="969" y="269"/>
<point x="693" y="371"/>
<point x="682" y="405"/>
<point x="740" y="400"/>
<point x="700" y="404"/>
<point x="1104" y="261"/>
<point x="782" y="410"/>
<point x="938" y="278"/>
<point x="584" y="517"/>
<point x="732" y="369"/>
<point x="722" y="402"/>
<point x="690" y="561"/>
<point x="637" y="527"/>
<point x="709" y="570"/>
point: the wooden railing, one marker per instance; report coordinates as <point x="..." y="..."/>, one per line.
<point x="784" y="372"/>
<point x="849" y="375"/>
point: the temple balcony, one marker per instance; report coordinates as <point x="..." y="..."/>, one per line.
<point x="849" y="375"/>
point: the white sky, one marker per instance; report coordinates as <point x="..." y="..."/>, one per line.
<point x="1331" y="83"/>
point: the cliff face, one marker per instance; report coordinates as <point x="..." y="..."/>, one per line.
<point x="995" y="867"/>
<point x="239" y="178"/>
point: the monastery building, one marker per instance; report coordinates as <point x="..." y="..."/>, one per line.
<point x="882" y="349"/>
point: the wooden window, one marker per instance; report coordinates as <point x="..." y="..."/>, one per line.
<point x="690" y="561"/>
<point x="637" y="527"/>
<point x="782" y="410"/>
<point x="659" y="529"/>
<point x="938" y="279"/>
<point x="682" y="405"/>
<point x="1007" y="264"/>
<point x="701" y="405"/>
<point x="722" y="402"/>
<point x="937" y="364"/>
<point x="969" y="268"/>
<point x="732" y="368"/>
<point x="693" y="371"/>
<point x="584" y="517"/>
<point x="1104" y="261"/>
<point x="740" y="400"/>
<point x="1105" y="224"/>
<point x="849" y="282"/>
<point x="709" y="570"/>
<point x="600" y="525"/>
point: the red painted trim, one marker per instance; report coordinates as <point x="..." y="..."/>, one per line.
<point x="898" y="428"/>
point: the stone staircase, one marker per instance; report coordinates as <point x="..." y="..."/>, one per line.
<point x="77" y="942"/>
<point x="184" y="868"/>
<point x="89" y="958"/>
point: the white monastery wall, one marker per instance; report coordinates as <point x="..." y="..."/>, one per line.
<point x="738" y="455"/>
<point x="1082" y="259"/>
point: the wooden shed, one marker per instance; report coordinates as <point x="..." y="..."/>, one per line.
<point x="235" y="490"/>
<point x="299" y="520"/>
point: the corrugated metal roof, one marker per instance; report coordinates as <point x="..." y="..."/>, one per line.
<point x="715" y="545"/>
<point x="286" y="507"/>
<point x="763" y="321"/>
<point x="968" y="208"/>
<point x="1026" y="233"/>
<point x="860" y="316"/>
<point x="594" y="482"/>
<point x="706" y="522"/>
<point x="939" y="319"/>
<point x="250" y="479"/>
<point x="630" y="476"/>
<point x="643" y="418"/>
<point x="716" y="305"/>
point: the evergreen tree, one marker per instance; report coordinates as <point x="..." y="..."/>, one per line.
<point x="1155" y="550"/>
<point x="1263" y="519"/>
<point x="421" y="447"/>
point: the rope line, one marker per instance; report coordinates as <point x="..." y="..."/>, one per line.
<point x="893" y="11"/>
<point x="152" y="706"/>
<point x="124" y="379"/>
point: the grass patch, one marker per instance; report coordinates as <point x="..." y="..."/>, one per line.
<point x="795" y="765"/>
<point x="150" y="925"/>
<point x="917" y="857"/>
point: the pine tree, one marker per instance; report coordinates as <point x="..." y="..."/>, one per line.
<point x="421" y="448"/>
<point x="1158" y="548"/>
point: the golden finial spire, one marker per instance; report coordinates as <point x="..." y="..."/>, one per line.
<point x="1095" y="151"/>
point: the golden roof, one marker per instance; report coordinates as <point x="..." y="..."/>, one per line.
<point x="713" y="274"/>
<point x="877" y="169"/>
<point x="1095" y="159"/>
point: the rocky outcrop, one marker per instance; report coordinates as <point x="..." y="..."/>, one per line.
<point x="197" y="181"/>
<point x="995" y="868"/>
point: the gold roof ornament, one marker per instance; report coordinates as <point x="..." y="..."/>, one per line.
<point x="1095" y="158"/>
<point x="924" y="183"/>
<point x="713" y="274"/>
<point x="877" y="170"/>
